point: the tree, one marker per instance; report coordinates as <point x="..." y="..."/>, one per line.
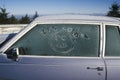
<point x="13" y="20"/>
<point x="25" y="20"/>
<point x="3" y="16"/>
<point x="114" y="10"/>
<point x="35" y="16"/>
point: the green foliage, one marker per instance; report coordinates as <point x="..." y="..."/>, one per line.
<point x="114" y="10"/>
<point x="25" y="19"/>
<point x="13" y="20"/>
<point x="3" y="16"/>
<point x="35" y="16"/>
<point x="4" y="19"/>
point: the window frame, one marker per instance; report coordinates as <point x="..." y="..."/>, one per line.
<point x="100" y="50"/>
<point x="104" y="45"/>
<point x="94" y="48"/>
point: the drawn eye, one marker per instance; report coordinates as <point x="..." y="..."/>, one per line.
<point x="69" y="30"/>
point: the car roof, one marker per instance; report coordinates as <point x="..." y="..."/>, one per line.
<point x="90" y="18"/>
<point x="56" y="19"/>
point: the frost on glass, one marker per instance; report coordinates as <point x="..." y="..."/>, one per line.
<point x="61" y="40"/>
<point x="112" y="41"/>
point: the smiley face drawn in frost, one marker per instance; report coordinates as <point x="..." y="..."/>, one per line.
<point x="61" y="41"/>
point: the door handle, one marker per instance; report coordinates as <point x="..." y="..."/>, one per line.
<point x="97" y="68"/>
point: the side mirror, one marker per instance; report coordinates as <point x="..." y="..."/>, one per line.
<point x="13" y="54"/>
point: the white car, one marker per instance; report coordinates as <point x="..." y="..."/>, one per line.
<point x="64" y="47"/>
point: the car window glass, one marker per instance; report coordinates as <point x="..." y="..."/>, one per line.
<point x="61" y="40"/>
<point x="112" y="41"/>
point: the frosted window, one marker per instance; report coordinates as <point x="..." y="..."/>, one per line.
<point x="112" y="41"/>
<point x="61" y="40"/>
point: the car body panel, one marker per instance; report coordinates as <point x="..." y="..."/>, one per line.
<point x="53" y="68"/>
<point x="113" y="68"/>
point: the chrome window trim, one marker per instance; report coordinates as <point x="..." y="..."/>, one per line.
<point x="110" y="57"/>
<point x="68" y="57"/>
<point x="30" y="26"/>
<point x="104" y="39"/>
<point x="106" y="57"/>
<point x="102" y="32"/>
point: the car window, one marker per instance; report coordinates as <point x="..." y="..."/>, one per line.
<point x="61" y="40"/>
<point x="112" y="41"/>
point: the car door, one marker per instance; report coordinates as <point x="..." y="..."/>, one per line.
<point x="112" y="52"/>
<point x="57" y="52"/>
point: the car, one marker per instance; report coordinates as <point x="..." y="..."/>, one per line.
<point x="64" y="47"/>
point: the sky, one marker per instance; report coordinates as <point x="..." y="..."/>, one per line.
<point x="18" y="7"/>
